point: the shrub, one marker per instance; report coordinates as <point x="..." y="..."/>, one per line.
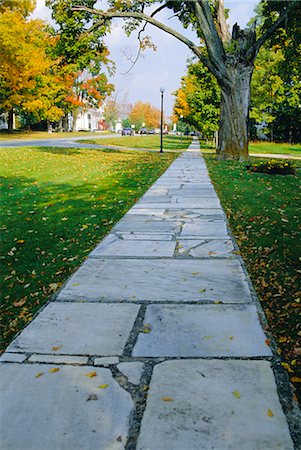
<point x="273" y="167"/>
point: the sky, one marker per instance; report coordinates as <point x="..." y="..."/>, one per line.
<point x="161" y="68"/>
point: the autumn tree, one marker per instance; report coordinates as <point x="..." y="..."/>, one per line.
<point x="228" y="56"/>
<point x="26" y="83"/>
<point x="144" y="113"/>
<point x="82" y="57"/>
<point x="198" y="98"/>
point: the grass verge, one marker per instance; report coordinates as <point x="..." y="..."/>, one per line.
<point x="262" y="148"/>
<point x="56" y="205"/>
<point x="30" y="135"/>
<point x="170" y="142"/>
<point x="275" y="149"/>
<point x="264" y="215"/>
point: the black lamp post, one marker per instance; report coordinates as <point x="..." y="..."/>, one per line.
<point x="162" y="89"/>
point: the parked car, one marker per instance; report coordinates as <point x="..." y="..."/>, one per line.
<point x="127" y="132"/>
<point x="143" y="131"/>
<point x="151" y="131"/>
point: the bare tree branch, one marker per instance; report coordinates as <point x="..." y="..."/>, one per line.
<point x="216" y="69"/>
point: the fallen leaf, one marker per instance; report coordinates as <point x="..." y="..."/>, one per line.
<point x="167" y="399"/>
<point x="103" y="386"/>
<point x="268" y="342"/>
<point x="91" y="374"/>
<point x="53" y="286"/>
<point x="75" y="284"/>
<point x="20" y="241"/>
<point x="208" y="337"/>
<point x="202" y="290"/>
<point x="147" y="328"/>
<point x="55" y="348"/>
<point x="296" y="379"/>
<point x="236" y="394"/>
<point x="39" y="374"/>
<point x="287" y="367"/>
<point x="20" y="303"/>
<point x="270" y="413"/>
<point x="231" y="338"/>
<point x="55" y="369"/>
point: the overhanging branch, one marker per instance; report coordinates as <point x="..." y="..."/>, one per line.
<point x="215" y="69"/>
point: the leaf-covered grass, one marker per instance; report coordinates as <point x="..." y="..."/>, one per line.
<point x="4" y="135"/>
<point x="56" y="205"/>
<point x="170" y="142"/>
<point x="273" y="148"/>
<point x="264" y="212"/>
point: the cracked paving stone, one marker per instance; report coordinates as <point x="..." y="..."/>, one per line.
<point x="52" y="411"/>
<point x="201" y="248"/>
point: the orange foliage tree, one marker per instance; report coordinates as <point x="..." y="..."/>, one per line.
<point x="144" y="113"/>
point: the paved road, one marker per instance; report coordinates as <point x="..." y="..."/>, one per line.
<point x="155" y="343"/>
<point x="53" y="142"/>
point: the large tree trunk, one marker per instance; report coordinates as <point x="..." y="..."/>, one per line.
<point x="11" y="121"/>
<point x="235" y="103"/>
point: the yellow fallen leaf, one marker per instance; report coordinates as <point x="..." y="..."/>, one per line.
<point x="236" y="394"/>
<point x="195" y="273"/>
<point x="287" y="367"/>
<point x="231" y="338"/>
<point x="75" y="284"/>
<point x="217" y="302"/>
<point x="167" y="399"/>
<point x="296" y="379"/>
<point x="39" y="374"/>
<point x="202" y="290"/>
<point x="55" y="348"/>
<point x="211" y="253"/>
<point x="55" y="369"/>
<point x="103" y="386"/>
<point x="20" y="241"/>
<point x="146" y="328"/>
<point x="91" y="374"/>
<point x="53" y="286"/>
<point x="208" y="337"/>
<point x="270" y="413"/>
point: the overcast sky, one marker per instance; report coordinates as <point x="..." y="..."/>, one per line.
<point x="164" y="67"/>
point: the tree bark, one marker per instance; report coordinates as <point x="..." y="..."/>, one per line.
<point x="11" y="121"/>
<point x="234" y="118"/>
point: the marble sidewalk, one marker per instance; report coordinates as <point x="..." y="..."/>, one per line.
<point x="156" y="342"/>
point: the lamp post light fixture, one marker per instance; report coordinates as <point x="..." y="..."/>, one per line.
<point x="162" y="89"/>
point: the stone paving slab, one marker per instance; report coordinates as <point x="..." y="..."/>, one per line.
<point x="202" y="330"/>
<point x="131" y="236"/>
<point x="78" y="329"/>
<point x="144" y="224"/>
<point x="162" y="280"/>
<point x="202" y="248"/>
<point x="203" y="227"/>
<point x="222" y="405"/>
<point x="114" y="246"/>
<point x="63" y="410"/>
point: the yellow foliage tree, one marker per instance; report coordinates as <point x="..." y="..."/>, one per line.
<point x="144" y="113"/>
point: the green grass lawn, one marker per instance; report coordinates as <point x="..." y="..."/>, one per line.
<point x="264" y="212"/>
<point x="56" y="205"/>
<point x="4" y="135"/>
<point x="170" y="142"/>
<point x="271" y="147"/>
<point x="262" y="148"/>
